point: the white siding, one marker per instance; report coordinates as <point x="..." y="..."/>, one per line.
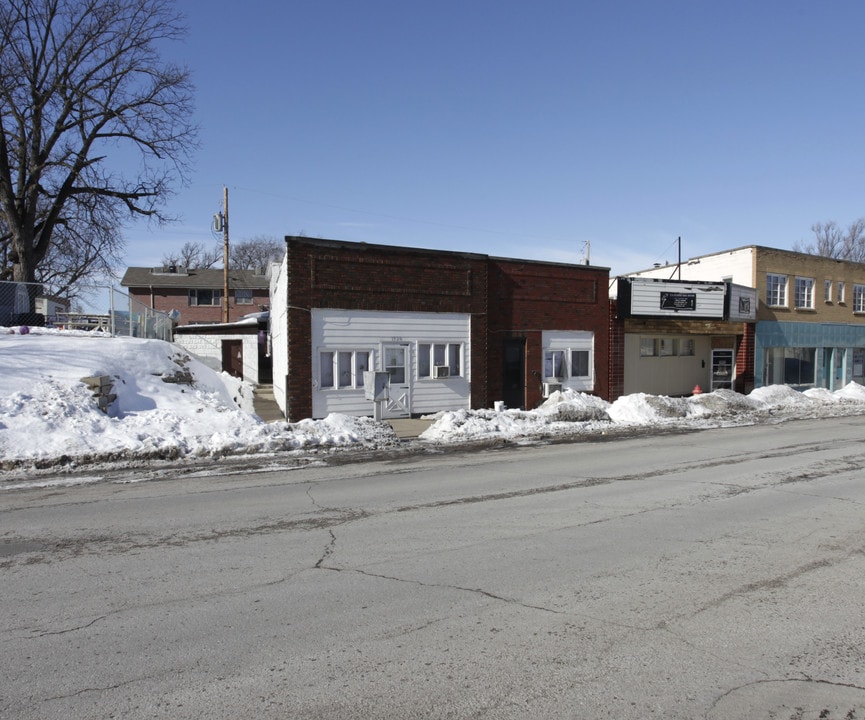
<point x="568" y="340"/>
<point x="707" y="299"/>
<point x="279" y="331"/>
<point x="669" y="375"/>
<point x="208" y="349"/>
<point x="335" y="330"/>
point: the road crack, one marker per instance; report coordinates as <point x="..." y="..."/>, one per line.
<point x="444" y="586"/>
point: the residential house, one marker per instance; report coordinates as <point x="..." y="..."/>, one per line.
<point x="239" y="348"/>
<point x="451" y="330"/>
<point x="195" y="296"/>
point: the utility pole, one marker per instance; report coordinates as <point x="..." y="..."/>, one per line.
<point x="225" y="255"/>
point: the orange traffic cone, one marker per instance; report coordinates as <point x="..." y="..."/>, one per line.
<point x="697" y="390"/>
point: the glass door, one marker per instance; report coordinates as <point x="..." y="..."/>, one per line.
<point x="397" y="366"/>
<point x="722" y="369"/>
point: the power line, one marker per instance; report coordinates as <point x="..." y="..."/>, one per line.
<point x="401" y="218"/>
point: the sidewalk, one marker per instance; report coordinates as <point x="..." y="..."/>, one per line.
<point x="408" y="428"/>
<point x="267" y="409"/>
<point x="265" y="404"/>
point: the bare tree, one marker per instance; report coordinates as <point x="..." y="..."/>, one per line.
<point x="832" y="241"/>
<point x="256" y="253"/>
<point x="80" y="252"/>
<point x="79" y="80"/>
<point x="193" y="255"/>
<point x="253" y="254"/>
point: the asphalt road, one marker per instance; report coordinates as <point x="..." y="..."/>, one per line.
<point x="718" y="574"/>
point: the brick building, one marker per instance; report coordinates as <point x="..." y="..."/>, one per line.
<point x="452" y="330"/>
<point x="810" y="314"/>
<point x="197" y="294"/>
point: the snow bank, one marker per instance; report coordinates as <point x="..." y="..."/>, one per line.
<point x="170" y="405"/>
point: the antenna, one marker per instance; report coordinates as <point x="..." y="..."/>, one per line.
<point x="587" y="247"/>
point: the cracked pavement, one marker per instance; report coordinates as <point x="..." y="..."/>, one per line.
<point x="708" y="575"/>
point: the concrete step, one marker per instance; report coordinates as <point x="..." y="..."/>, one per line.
<point x="265" y="404"/>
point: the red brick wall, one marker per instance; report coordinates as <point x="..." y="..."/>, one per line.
<point x="745" y="361"/>
<point x="527" y="298"/>
<point x="168" y="299"/>
<point x="617" y="354"/>
<point x="504" y="298"/>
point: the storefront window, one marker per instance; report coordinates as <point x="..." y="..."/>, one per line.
<point x="790" y="366"/>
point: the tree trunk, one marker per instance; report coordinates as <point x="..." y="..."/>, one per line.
<point x="23" y="265"/>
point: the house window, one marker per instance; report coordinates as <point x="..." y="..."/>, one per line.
<point x="201" y="297"/>
<point x="686" y="346"/>
<point x="859" y="298"/>
<point x="243" y="296"/>
<point x="342" y="369"/>
<point x="433" y="355"/>
<point x="827" y="291"/>
<point x="554" y="364"/>
<point x="804" y="295"/>
<point x="568" y="358"/>
<point x="580" y="363"/>
<point x="776" y="290"/>
<point x="840" y="288"/>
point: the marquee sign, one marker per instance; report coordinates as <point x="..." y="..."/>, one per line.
<point x="678" y="301"/>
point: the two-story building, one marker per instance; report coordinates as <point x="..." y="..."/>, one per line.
<point x="195" y="296"/>
<point x="810" y="329"/>
<point x="452" y="330"/>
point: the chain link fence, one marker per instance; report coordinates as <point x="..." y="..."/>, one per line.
<point x="99" y="308"/>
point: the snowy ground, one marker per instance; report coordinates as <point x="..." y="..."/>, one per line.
<point x="50" y="420"/>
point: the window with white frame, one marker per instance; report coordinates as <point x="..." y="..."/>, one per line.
<point x="859" y="298"/>
<point x="560" y="365"/>
<point x="840" y="290"/>
<point x="243" y="296"/>
<point x="343" y="369"/>
<point x="580" y="364"/>
<point x="776" y="290"/>
<point x="568" y="358"/>
<point x="804" y="293"/>
<point x="202" y="296"/>
<point x="827" y="291"/>
<point x="554" y="364"/>
<point x="439" y="355"/>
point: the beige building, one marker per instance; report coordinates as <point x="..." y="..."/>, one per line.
<point x="810" y="329"/>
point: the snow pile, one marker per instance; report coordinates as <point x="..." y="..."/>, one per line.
<point x="169" y="405"/>
<point x="572" y="413"/>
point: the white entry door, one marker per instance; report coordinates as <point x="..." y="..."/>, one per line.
<point x="396" y="364"/>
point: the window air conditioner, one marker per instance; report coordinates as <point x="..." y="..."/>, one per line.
<point x="550" y="388"/>
<point x="441" y="371"/>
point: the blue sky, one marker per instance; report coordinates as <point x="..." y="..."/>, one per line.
<point x="524" y="129"/>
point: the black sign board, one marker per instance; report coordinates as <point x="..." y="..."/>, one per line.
<point x="678" y="301"/>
